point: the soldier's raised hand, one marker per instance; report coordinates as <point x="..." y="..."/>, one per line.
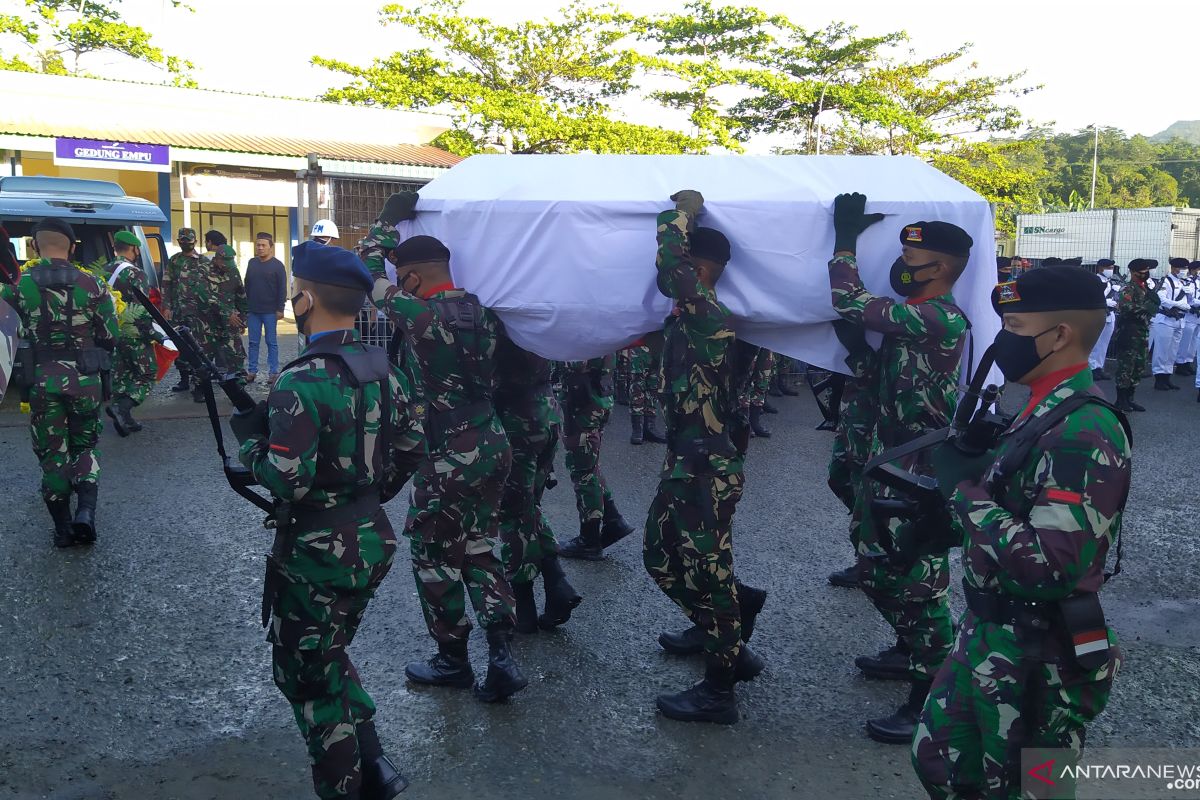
<point x="849" y="220"/>
<point x="689" y="201"/>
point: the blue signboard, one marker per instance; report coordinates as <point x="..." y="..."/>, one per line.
<point x="111" y="155"/>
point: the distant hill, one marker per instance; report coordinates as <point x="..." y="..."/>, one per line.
<point x="1189" y="131"/>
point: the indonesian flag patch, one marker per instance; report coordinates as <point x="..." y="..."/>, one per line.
<point x="913" y="233"/>
<point x="1092" y="641"/>
<point x="1007" y="293"/>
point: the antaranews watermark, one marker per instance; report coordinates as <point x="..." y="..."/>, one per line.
<point x="1111" y="773"/>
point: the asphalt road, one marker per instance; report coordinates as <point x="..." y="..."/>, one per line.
<point x="137" y="669"/>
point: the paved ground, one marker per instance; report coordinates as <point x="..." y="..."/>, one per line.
<point x="137" y="669"/>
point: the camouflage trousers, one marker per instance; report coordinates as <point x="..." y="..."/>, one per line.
<point x="134" y="370"/>
<point x="313" y="622"/>
<point x="1132" y="354"/>
<point x="583" y="463"/>
<point x="65" y="427"/>
<point x="915" y="602"/>
<point x="970" y="735"/>
<point x="643" y="381"/>
<point x="452" y="526"/>
<point x="525" y="534"/>
<point x="688" y="551"/>
<point x="621" y="372"/>
<point x="755" y="393"/>
<point x="851" y="443"/>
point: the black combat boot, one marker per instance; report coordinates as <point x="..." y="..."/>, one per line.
<point x="449" y="667"/>
<point x="185" y="382"/>
<point x="688" y="642"/>
<point x="60" y="512"/>
<point x="750" y="604"/>
<point x="900" y="727"/>
<point x="527" y="618"/>
<point x="652" y="432"/>
<point x="749" y="664"/>
<point x="615" y="528"/>
<point x="768" y="408"/>
<point x="1123" y="400"/>
<point x="123" y="421"/>
<point x="711" y="700"/>
<point x="890" y="664"/>
<point x="586" y="545"/>
<point x="637" y="429"/>
<point x="561" y="597"/>
<point x="1161" y="383"/>
<point x="84" y="525"/>
<point x="504" y="677"/>
<point x="1134" y="403"/>
<point x="380" y="778"/>
<point x="757" y="427"/>
<point x="846" y="578"/>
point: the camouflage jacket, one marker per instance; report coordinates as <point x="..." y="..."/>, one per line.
<point x="917" y="365"/>
<point x="587" y="392"/>
<point x="1045" y="534"/>
<point x="700" y="399"/>
<point x="230" y="290"/>
<point x="308" y="458"/>
<point x="184" y="284"/>
<point x="1138" y="304"/>
<point x="92" y="322"/>
<point x="457" y="366"/>
<point x="135" y="323"/>
<point x="522" y="397"/>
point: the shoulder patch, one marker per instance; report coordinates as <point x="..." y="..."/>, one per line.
<point x="1007" y="293"/>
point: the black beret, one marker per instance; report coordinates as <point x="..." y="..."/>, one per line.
<point x="1178" y="263"/>
<point x="55" y="225"/>
<point x="709" y="243"/>
<point x="1077" y="261"/>
<point x="1052" y="261"/>
<point x="1143" y="264"/>
<point x="1054" y="288"/>
<point x="1106" y="262"/>
<point x="1194" y="265"/>
<point x="938" y="237"/>
<point x="420" y="248"/>
<point x="1003" y="262"/>
<point x="322" y="263"/>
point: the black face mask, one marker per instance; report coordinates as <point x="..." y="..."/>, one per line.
<point x="1017" y="355"/>
<point x="903" y="277"/>
<point x="301" y="319"/>
<point x="187" y="247"/>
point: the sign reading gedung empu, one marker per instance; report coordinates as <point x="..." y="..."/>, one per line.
<point x="111" y="155"/>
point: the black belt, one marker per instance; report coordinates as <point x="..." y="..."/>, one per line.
<point x="1004" y="609"/>
<point x="44" y="355"/>
<point x="305" y="519"/>
<point x="716" y="445"/>
<point x="442" y="421"/>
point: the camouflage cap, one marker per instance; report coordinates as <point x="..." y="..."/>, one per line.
<point x="186" y="234"/>
<point x="226" y="251"/>
<point x="126" y="237"/>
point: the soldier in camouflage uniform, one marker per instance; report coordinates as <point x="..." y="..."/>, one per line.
<point x="70" y="323"/>
<point x="1038" y="517"/>
<point x="644" y="366"/>
<point x="134" y="365"/>
<point x="621" y="375"/>
<point x="688" y="548"/>
<point x="526" y="409"/>
<point x="453" y="521"/>
<point x="852" y="443"/>
<point x="586" y="403"/>
<point x="753" y="399"/>
<point x="338" y="434"/>
<point x="179" y="276"/>
<point x="916" y="390"/>
<point x="230" y="308"/>
<point x="1135" y="310"/>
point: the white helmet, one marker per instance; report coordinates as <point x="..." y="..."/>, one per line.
<point x="324" y="228"/>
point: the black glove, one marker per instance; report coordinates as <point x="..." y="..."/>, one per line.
<point x="689" y="201"/>
<point x="399" y="207"/>
<point x="852" y="335"/>
<point x="952" y="466"/>
<point x="849" y="220"/>
<point x="251" y="424"/>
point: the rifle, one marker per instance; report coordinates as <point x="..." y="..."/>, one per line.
<point x="832" y="386"/>
<point x="239" y="477"/>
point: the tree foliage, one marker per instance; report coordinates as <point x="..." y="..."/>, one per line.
<point x="57" y="36"/>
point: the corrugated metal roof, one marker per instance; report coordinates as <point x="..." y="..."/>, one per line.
<point x="53" y="105"/>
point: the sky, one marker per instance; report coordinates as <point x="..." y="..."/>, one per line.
<point x="1127" y="65"/>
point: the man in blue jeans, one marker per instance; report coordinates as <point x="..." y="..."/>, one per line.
<point x="266" y="285"/>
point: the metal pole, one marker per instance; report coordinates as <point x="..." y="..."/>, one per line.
<point x="313" y="176"/>
<point x="817" y="119"/>
<point x="1112" y="237"/>
<point x="1095" y="160"/>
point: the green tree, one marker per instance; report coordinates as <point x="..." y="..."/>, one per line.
<point x="536" y="86"/>
<point x="56" y="36"/>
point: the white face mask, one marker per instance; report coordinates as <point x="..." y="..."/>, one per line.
<point x="1108" y="273"/>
